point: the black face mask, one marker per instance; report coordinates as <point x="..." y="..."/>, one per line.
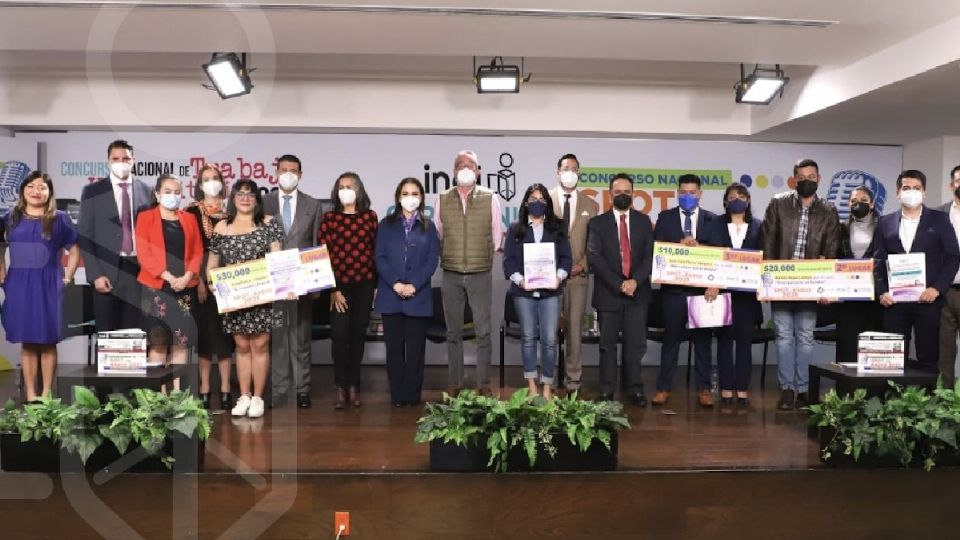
<point x="956" y="193"/>
<point x="622" y="201"/>
<point x="860" y="210"/>
<point x="806" y="188"/>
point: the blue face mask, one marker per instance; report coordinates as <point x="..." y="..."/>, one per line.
<point x="537" y="209"/>
<point x="737" y="206"/>
<point x="170" y="201"/>
<point x="688" y="201"/>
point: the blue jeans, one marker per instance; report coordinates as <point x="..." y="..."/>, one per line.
<point x="539" y="317"/>
<point x="795" y="322"/>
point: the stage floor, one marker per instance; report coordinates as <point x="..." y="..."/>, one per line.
<point x="379" y="438"/>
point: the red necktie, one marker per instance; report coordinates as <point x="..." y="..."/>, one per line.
<point x="625" y="247"/>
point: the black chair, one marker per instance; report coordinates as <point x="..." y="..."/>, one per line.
<point x="78" y="315"/>
<point x="825" y="330"/>
<point x="510" y="327"/>
<point x="437" y="328"/>
<point x="765" y="336"/>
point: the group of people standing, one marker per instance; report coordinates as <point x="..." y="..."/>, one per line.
<point x="148" y="260"/>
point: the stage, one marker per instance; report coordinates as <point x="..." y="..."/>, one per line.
<point x="737" y="472"/>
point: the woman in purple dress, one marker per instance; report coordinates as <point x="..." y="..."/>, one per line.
<point x="37" y="233"/>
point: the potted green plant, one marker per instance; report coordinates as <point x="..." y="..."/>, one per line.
<point x="162" y="432"/>
<point x="473" y="432"/>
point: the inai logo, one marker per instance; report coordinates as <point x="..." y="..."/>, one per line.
<point x="505" y="179"/>
<point x="12" y="174"/>
<point x="844" y="182"/>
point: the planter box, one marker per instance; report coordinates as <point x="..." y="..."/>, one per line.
<point x="448" y="457"/>
<point x="946" y="458"/>
<point x="45" y="456"/>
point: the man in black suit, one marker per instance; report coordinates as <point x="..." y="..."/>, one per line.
<point x="690" y="225"/>
<point x="620" y="252"/>
<point x="108" y="213"/>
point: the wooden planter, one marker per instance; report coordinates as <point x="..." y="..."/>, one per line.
<point x="874" y="461"/>
<point x="46" y="456"/>
<point x="449" y="457"/>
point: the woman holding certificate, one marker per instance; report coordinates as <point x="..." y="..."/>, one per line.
<point x="169" y="250"/>
<point x="247" y="234"/>
<point x="536" y="259"/>
<point x="738" y="230"/>
<point x="407" y="253"/>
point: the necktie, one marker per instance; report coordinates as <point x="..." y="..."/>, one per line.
<point x="625" y="256"/>
<point x="126" y="220"/>
<point x="566" y="210"/>
<point x="687" y="224"/>
<point x="287" y="218"/>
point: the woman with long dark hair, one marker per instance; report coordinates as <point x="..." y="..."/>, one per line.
<point x="350" y="234"/>
<point x="245" y="235"/>
<point x="856" y="242"/>
<point x="538" y="305"/>
<point x="210" y="208"/>
<point x="738" y="230"/>
<point x="407" y="253"/>
<point x="37" y="233"/>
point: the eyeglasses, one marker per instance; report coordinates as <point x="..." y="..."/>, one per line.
<point x="244" y="195"/>
<point x="531" y="201"/>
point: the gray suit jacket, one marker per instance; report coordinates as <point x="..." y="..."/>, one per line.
<point x="306" y="219"/>
<point x="99" y="226"/>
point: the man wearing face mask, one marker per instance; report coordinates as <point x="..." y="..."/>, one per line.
<point x="575" y="212"/>
<point x="950" y="316"/>
<point x="290" y="344"/>
<point x="108" y="214"/>
<point x="690" y="225"/>
<point x="917" y="229"/>
<point x="798" y="225"/>
<point x="470" y="224"/>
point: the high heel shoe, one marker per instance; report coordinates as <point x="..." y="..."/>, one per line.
<point x="743" y="398"/>
<point x="726" y="397"/>
<point x="355" y="396"/>
<point x="341" y="401"/>
<point x="226" y="401"/>
<point x="205" y="398"/>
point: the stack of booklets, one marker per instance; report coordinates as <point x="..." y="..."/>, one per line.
<point x="880" y="352"/>
<point x="122" y="352"/>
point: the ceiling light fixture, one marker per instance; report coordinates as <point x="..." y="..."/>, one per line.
<point x="229" y="74"/>
<point x="498" y="78"/>
<point x="761" y="86"/>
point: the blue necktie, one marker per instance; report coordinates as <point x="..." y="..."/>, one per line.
<point x="687" y="224"/>
<point x="287" y="218"/>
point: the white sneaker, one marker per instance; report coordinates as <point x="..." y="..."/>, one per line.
<point x="256" y="407"/>
<point x="243" y="404"/>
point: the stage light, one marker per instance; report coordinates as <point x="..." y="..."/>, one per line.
<point x="498" y="78"/>
<point x="761" y="86"/>
<point x="229" y="74"/>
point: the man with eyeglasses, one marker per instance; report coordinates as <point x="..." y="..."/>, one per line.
<point x="798" y="225"/>
<point x="575" y="211"/>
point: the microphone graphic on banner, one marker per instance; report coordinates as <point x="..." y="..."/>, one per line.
<point x="12" y="173"/>
<point x="844" y="182"/>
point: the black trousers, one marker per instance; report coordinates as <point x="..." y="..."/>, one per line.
<point x="631" y="320"/>
<point x="120" y="308"/>
<point x="733" y="367"/>
<point x="405" y="338"/>
<point x="924" y="321"/>
<point x="674" y="325"/>
<point x="348" y="332"/>
<point x="852" y="319"/>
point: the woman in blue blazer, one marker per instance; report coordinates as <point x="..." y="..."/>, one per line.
<point x="739" y="230"/>
<point x="407" y="253"/>
<point x="538" y="304"/>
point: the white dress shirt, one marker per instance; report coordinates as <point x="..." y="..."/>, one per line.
<point x="955" y="221"/>
<point x="738" y="233"/>
<point x="293" y="206"/>
<point x="616" y="217"/>
<point x="908" y="231"/>
<point x="117" y="198"/>
<point x="693" y="220"/>
<point x="561" y="198"/>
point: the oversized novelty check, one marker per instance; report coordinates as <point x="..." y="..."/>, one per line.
<point x="815" y="279"/>
<point x="282" y="275"/>
<point x="703" y="266"/>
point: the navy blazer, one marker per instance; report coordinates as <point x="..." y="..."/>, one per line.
<point x="935" y="238"/>
<point x="753" y="240"/>
<point x="405" y="259"/>
<point x="669" y="229"/>
<point x="603" y="255"/>
<point x="513" y="257"/>
<point x="99" y="226"/>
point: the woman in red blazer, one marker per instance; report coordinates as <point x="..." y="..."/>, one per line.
<point x="169" y="249"/>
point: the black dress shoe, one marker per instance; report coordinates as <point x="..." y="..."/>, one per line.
<point x="726" y="400"/>
<point x="606" y="396"/>
<point x="205" y="398"/>
<point x="399" y="404"/>
<point x="801" y="401"/>
<point x="226" y="401"/>
<point x="787" y="400"/>
<point x="638" y="399"/>
<point x="743" y="401"/>
<point x="303" y="400"/>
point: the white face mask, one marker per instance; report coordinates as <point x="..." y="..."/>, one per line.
<point x="170" y="201"/>
<point x="120" y="169"/>
<point x="347" y="196"/>
<point x="410" y="203"/>
<point x="466" y="177"/>
<point x="911" y="198"/>
<point x="211" y="187"/>
<point x="289" y="181"/>
<point x="569" y="179"/>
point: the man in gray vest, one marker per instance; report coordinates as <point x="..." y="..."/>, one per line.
<point x="470" y="225"/>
